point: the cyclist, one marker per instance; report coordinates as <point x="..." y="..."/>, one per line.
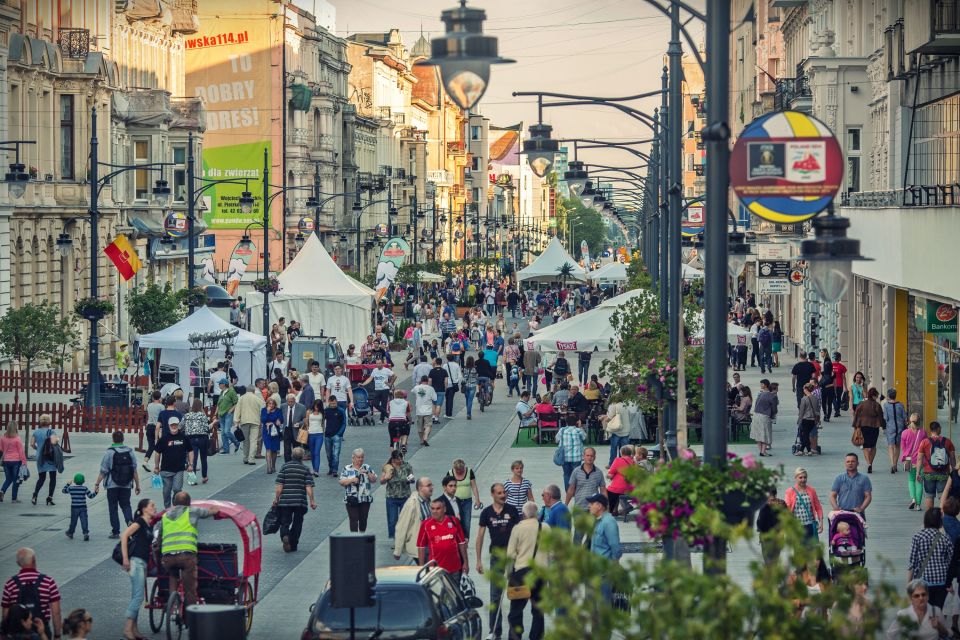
<point x="178" y="543"/>
<point x="399" y="425"/>
<point x="485" y="378"/>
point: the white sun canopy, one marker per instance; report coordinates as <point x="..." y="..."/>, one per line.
<point x="250" y="356"/>
<point x="546" y="268"/>
<point x="315" y="292"/>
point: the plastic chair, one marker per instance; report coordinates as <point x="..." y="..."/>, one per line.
<point x="533" y="426"/>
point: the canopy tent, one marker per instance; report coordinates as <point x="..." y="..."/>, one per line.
<point x="315" y="292"/>
<point x="588" y="331"/>
<point x="690" y="273"/>
<point x="610" y="272"/>
<point x="426" y="276"/>
<point x="546" y="268"/>
<point x="250" y="355"/>
<point x="735" y="333"/>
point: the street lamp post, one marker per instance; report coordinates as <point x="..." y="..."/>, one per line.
<point x="266" y="244"/>
<point x="675" y="169"/>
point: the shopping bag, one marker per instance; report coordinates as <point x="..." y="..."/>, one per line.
<point x="303" y="436"/>
<point x="191" y="478"/>
<point x="156" y="482"/>
<point x="271" y="522"/>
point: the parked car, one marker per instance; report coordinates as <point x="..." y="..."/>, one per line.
<point x="411" y="603"/>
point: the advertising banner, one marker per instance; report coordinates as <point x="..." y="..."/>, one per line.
<point x="229" y="68"/>
<point x="392" y="258"/>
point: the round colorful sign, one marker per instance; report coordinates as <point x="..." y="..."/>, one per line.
<point x="175" y="224"/>
<point x="305" y="224"/>
<point x="786" y="167"/>
<point x="797" y="277"/>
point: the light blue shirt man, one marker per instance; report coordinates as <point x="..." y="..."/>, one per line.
<point x="606" y="534"/>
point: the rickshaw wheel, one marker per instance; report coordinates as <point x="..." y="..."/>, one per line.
<point x="156" y="610"/>
<point x="246" y="600"/>
<point x="175" y="613"/>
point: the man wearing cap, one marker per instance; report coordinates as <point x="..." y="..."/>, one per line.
<point x="173" y="454"/>
<point x="606" y="536"/>
<point x="123" y="359"/>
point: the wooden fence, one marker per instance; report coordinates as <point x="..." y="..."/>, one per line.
<point x="53" y="381"/>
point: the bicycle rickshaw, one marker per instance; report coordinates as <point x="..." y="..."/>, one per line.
<point x="218" y="578"/>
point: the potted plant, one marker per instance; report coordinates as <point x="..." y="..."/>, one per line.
<point x="93" y="308"/>
<point x="685" y="498"/>
<point x="266" y="285"/>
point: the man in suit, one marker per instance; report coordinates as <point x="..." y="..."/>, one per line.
<point x="294" y="414"/>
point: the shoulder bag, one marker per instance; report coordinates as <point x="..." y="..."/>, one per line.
<point x="517" y="588"/>
<point x="454" y="386"/>
<point x="929" y="554"/>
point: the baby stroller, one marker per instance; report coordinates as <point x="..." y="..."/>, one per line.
<point x="849" y="549"/>
<point x="362" y="411"/>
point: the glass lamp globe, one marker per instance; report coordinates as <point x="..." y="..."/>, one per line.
<point x="465" y="81"/>
<point x="540" y="163"/>
<point x="830" y="278"/>
<point x="736" y="264"/>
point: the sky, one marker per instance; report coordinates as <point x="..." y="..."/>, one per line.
<point x="601" y="48"/>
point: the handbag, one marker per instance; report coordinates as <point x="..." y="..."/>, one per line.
<point x="517" y="589"/>
<point x="845" y="400"/>
<point x="454" y="386"/>
<point x="303" y="436"/>
<point x="558" y="456"/>
<point x="117" y="554"/>
<point x="23" y="475"/>
<point x="238" y="434"/>
<point x="857" y="439"/>
<point x="271" y="522"/>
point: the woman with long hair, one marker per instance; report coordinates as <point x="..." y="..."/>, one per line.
<point x="857" y="390"/>
<point x="14" y="456"/>
<point x="45" y="465"/>
<point x="910" y="441"/>
<point x="314" y="422"/>
<point x="135" y="546"/>
<point x="196" y="426"/>
<point x="807" y="421"/>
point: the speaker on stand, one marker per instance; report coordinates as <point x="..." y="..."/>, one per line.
<point x="352" y="573"/>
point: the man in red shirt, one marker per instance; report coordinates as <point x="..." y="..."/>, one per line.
<point x="45" y="591"/>
<point x="442" y="536"/>
<point x="840" y="381"/>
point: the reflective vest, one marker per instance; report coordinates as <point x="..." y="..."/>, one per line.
<point x="178" y="535"/>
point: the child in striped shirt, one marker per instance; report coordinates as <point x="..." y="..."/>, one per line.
<point x="78" y="505"/>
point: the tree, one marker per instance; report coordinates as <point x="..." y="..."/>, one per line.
<point x="28" y="334"/>
<point x="68" y="336"/>
<point x="565" y="271"/>
<point x="586" y="224"/>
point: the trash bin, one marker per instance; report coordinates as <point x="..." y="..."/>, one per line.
<point x="216" y="621"/>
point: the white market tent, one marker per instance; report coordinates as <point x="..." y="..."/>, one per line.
<point x="610" y="272"/>
<point x="249" y="350"/>
<point x="315" y="292"/>
<point x="588" y="331"/>
<point x="426" y="276"/>
<point x="735" y="334"/>
<point x="546" y="267"/>
<point x="690" y="273"/>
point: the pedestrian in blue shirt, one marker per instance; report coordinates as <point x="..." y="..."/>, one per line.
<point x="78" y="505"/>
<point x="851" y="491"/>
<point x="606" y="537"/>
<point x="554" y="512"/>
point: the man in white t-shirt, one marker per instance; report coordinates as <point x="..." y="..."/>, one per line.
<point x="215" y="378"/>
<point x="382" y="378"/>
<point x="278" y="363"/>
<point x="317" y="381"/>
<point x="456" y="378"/>
<point x="338" y="386"/>
<point x="424" y="396"/>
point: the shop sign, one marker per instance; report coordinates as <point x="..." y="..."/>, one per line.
<point x="773" y="268"/>
<point x="786" y="167"/>
<point x="935" y="317"/>
<point x="797" y="277"/>
<point x="773" y="251"/>
<point x="777" y="286"/>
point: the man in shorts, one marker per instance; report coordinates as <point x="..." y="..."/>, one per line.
<point x="424" y="398"/>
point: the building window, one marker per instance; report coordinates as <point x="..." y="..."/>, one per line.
<point x="475" y="163"/>
<point x="67" y="126"/>
<point x="474" y="133"/>
<point x="179" y="174"/>
<point x="853" y="159"/>
<point x="141" y="155"/>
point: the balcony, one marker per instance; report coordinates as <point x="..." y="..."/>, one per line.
<point x="74" y="43"/>
<point x="790" y="91"/>
<point x="932" y="26"/>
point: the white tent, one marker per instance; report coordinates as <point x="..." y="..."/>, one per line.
<point x="250" y="355"/>
<point x="690" y="273"/>
<point x="735" y="334"/>
<point x="610" y="272"/>
<point x="547" y="265"/>
<point x="426" y="276"/>
<point x="587" y="331"/>
<point x="315" y="292"/>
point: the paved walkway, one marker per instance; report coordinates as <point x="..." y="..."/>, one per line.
<point x="290" y="583"/>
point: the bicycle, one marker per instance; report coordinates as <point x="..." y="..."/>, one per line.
<point x="484" y="394"/>
<point x="171" y="616"/>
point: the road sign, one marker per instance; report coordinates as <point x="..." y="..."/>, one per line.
<point x="773" y="251"/>
<point x="773" y="269"/>
<point x="774" y="285"/>
<point x="797" y="277"/>
<point x="786" y="167"/>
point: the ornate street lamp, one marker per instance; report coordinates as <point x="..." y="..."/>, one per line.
<point x="576" y="178"/>
<point x="246" y="202"/>
<point x="830" y="254"/>
<point x="588" y="194"/>
<point x="540" y="149"/>
<point x="464" y="55"/>
<point x="737" y="252"/>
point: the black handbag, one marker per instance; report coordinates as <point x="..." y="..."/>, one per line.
<point x="117" y="554"/>
<point x="238" y="434"/>
<point x="271" y="522"/>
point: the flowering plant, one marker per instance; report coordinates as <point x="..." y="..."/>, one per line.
<point x="686" y="499"/>
<point x="93" y="308"/>
<point x="266" y="285"/>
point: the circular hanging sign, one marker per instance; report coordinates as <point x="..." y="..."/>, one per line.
<point x="175" y="224"/>
<point x="305" y="224"/>
<point x="786" y="167"/>
<point x="797" y="277"/>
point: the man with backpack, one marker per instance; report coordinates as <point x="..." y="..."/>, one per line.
<point x="118" y="473"/>
<point x="35" y="592"/>
<point x="765" y="340"/>
<point x="935" y="458"/>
